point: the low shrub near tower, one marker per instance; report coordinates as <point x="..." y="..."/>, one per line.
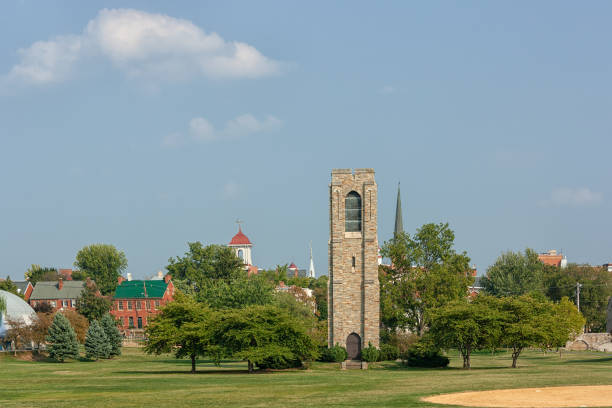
<point x="424" y="353"/>
<point x="335" y="354"/>
<point x="388" y="352"/>
<point x="370" y="353"/>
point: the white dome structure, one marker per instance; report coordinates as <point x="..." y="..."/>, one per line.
<point x="16" y="309"/>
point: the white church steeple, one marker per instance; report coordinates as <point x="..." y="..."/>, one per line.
<point x="311" y="270"/>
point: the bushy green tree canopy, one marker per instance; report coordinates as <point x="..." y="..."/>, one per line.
<point x="9" y="286"/>
<point x="91" y="304"/>
<point x="263" y="336"/>
<point x="37" y="273"/>
<point x="515" y="274"/>
<point x="182" y="327"/>
<point x="201" y="264"/>
<point x="103" y="263"/>
<point x="426" y="272"/>
<point x="595" y="291"/>
<point x="465" y="326"/>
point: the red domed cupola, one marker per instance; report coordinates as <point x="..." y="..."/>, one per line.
<point x="240" y="239"/>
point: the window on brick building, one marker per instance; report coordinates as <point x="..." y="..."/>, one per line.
<point x="138" y="305"/>
<point x="131" y="322"/>
<point x="129" y="305"/>
<point x="64" y="303"/>
<point x="157" y="304"/>
<point x="148" y="305"/>
<point x="352" y="205"/>
<point x="120" y="305"/>
<point x="140" y="322"/>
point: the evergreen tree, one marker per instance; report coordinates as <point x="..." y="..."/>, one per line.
<point x="96" y="342"/>
<point x="112" y="334"/>
<point x="62" y="339"/>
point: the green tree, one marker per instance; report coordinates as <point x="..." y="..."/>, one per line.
<point x="79" y="275"/>
<point x="91" y="304"/>
<point x="425" y="273"/>
<point x="202" y="264"/>
<point x="515" y="274"/>
<point x="37" y="273"/>
<point x="565" y="323"/>
<point x="319" y="291"/>
<point x="96" y="343"/>
<point x="103" y="263"/>
<point x="466" y="327"/>
<point x="524" y="321"/>
<point x="276" y="275"/>
<point x="9" y="286"/>
<point x="109" y="325"/>
<point x="266" y="336"/>
<point x="595" y="291"/>
<point x="2" y="306"/>
<point x="61" y="339"/>
<point x="241" y="291"/>
<point x="182" y="328"/>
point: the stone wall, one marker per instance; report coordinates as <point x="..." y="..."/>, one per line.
<point x="353" y="261"/>
<point x="591" y="341"/>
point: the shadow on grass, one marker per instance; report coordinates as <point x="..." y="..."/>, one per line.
<point x="606" y="359"/>
<point x="401" y="367"/>
<point x="198" y="372"/>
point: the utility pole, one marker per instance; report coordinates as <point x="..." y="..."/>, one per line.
<point x="578" y="286"/>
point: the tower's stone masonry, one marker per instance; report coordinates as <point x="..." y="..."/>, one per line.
<point x="353" y="261"/>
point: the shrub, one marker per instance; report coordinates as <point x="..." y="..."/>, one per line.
<point x="370" y="353"/>
<point x="388" y="352"/>
<point x="400" y="340"/>
<point x="279" y="363"/>
<point x="424" y="353"/>
<point x="334" y="354"/>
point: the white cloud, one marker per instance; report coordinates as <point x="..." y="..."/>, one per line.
<point x="573" y="197"/>
<point x="142" y="44"/>
<point x="386" y="90"/>
<point x="201" y="130"/>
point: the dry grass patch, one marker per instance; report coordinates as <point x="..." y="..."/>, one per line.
<point x="544" y="397"/>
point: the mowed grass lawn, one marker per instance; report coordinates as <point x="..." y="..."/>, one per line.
<point x="138" y="380"/>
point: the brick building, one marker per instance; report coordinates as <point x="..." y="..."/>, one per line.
<point x="25" y="289"/>
<point x="353" y="261"/>
<point x="60" y="295"/>
<point x="553" y="258"/>
<point x="136" y="301"/>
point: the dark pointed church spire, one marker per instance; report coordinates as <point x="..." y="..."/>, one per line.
<point x="399" y="226"/>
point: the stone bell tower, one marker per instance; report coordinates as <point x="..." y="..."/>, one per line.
<point x="353" y="260"/>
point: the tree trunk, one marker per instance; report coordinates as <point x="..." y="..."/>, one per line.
<point x="466" y="358"/>
<point x="515" y="355"/>
<point x="250" y="366"/>
<point x="193" y="363"/>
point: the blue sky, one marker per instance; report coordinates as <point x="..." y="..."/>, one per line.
<point x="150" y="124"/>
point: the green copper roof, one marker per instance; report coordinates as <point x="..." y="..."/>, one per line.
<point x="141" y="289"/>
